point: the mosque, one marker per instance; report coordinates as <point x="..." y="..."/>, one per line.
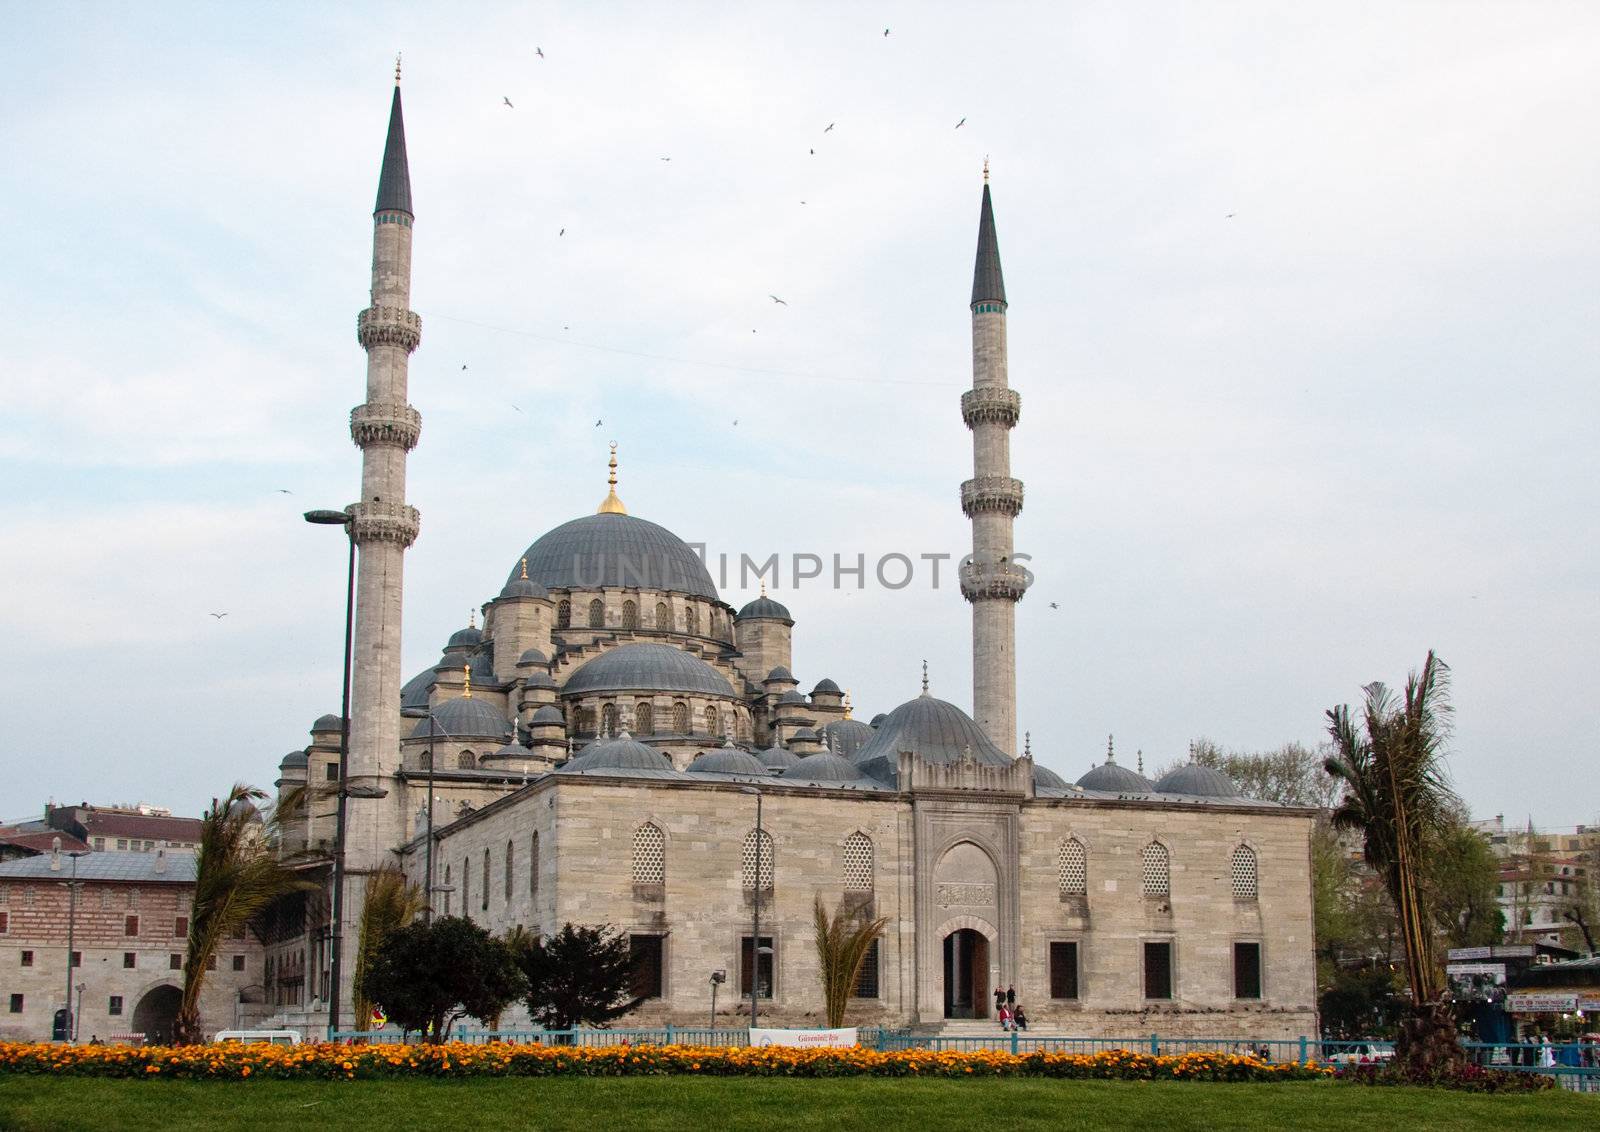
<point x="597" y="752"/>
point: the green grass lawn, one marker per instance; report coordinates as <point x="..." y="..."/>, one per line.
<point x="31" y="1103"/>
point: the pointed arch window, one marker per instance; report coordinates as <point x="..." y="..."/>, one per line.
<point x="680" y="718"/>
<point x="1156" y="869"/>
<point x="691" y="621"/>
<point x="533" y="865"/>
<point x="630" y="615"/>
<point x="608" y="719"/>
<point x="710" y="719"/>
<point x="486" y="880"/>
<point x="858" y="863"/>
<point x="466" y="760"/>
<point x="1242" y="870"/>
<point x="747" y="862"/>
<point x="649" y="855"/>
<point x="644" y="718"/>
<point x="466" y="887"/>
<point x="447" y="887"/>
<point x="1072" y="868"/>
<point x="663" y="617"/>
<point x="597" y="614"/>
<point x="563" y="614"/>
<point x="510" y="856"/>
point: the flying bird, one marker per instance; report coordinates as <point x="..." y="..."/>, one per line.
<point x="736" y="425"/>
<point x="597" y="424"/>
<point x="885" y="33"/>
<point x="463" y="368"/>
<point x="813" y="153"/>
<point x="517" y="407"/>
<point x="563" y="232"/>
<point x="1228" y="217"/>
<point x="284" y="491"/>
<point x="666" y="159"/>
<point x="1053" y="605"/>
<point x="777" y="300"/>
<point x="539" y="51"/>
<point x="219" y="616"/>
<point x="831" y="125"/>
<point x="961" y="123"/>
<point x="507" y="101"/>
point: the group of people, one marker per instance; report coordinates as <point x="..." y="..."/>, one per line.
<point x="1009" y="1010"/>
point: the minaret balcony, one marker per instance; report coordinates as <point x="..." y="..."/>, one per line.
<point x="991" y="495"/>
<point x="399" y="425"/>
<point x="389" y="326"/>
<point x="1005" y="580"/>
<point x="995" y="404"/>
<point x="375" y="521"/>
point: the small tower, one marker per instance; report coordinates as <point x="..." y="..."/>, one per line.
<point x="990" y="579"/>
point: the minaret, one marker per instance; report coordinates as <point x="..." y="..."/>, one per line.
<point x="990" y="579"/>
<point x="385" y="428"/>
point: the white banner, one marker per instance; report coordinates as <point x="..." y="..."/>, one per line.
<point x="808" y="1039"/>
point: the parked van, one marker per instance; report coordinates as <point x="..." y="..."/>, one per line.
<point x="275" y="1037"/>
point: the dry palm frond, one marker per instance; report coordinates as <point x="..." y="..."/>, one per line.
<point x="842" y="945"/>
<point x="391" y="902"/>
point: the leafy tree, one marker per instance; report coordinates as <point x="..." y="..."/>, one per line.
<point x="579" y="976"/>
<point x="1397" y="797"/>
<point x="1460" y="885"/>
<point x="1293" y="774"/>
<point x="843" y="941"/>
<point x="1360" y="1003"/>
<point x="391" y="902"/>
<point x="238" y="874"/>
<point x="428" y="975"/>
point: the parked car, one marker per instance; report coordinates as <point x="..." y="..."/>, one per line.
<point x="275" y="1037"/>
<point x="1363" y="1053"/>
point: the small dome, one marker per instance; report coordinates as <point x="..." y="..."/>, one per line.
<point x="329" y="722"/>
<point x="470" y="637"/>
<point x="792" y="697"/>
<point x="538" y="680"/>
<point x="877" y="720"/>
<point x="532" y="656"/>
<point x="465" y="718"/>
<point x="547" y="714"/>
<point x="826" y="687"/>
<point x="1202" y="781"/>
<point x="512" y="750"/>
<point x="1114" y="779"/>
<point x="805" y="734"/>
<point x="728" y="760"/>
<point x="414" y="693"/>
<point x="825" y="766"/>
<point x="622" y="753"/>
<point x="650" y="668"/>
<point x="846" y="736"/>
<point x="764" y="607"/>
<point x="1043" y="776"/>
<point x="292" y="760"/>
<point x="777" y="758"/>
<point x="936" y="731"/>
<point x="779" y="673"/>
<point x="453" y="660"/>
<point x="523" y="587"/>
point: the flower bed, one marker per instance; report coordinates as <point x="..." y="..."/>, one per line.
<point x="1467" y="1078"/>
<point x="373" y="1062"/>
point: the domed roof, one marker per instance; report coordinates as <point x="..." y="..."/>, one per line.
<point x="1114" y="779"/>
<point x="846" y="736"/>
<point x="763" y="606"/>
<point x="728" y="760"/>
<point x="777" y="758"/>
<point x="1043" y="776"/>
<point x="877" y="720"/>
<point x="470" y="637"/>
<point x="523" y="587"/>
<point x="649" y="668"/>
<point x="826" y="687"/>
<point x="512" y="750"/>
<point x="825" y="766"/>
<point x="792" y="697"/>
<point x="779" y="673"/>
<point x="465" y="718"/>
<point x="806" y="734"/>
<point x="622" y="753"/>
<point x="414" y="692"/>
<point x="936" y="731"/>
<point x="547" y="714"/>
<point x="293" y="759"/>
<point x="1203" y="781"/>
<point x="329" y="722"/>
<point x="538" y="679"/>
<point x="532" y="656"/>
<point x="454" y="659"/>
<point x="615" y="550"/>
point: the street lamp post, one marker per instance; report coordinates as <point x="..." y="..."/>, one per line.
<point x="342" y="519"/>
<point x="433" y="731"/>
<point x="72" y="923"/>
<point x="717" y="979"/>
<point x="755" y="929"/>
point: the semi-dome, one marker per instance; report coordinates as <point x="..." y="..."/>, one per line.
<point x="1202" y="781"/>
<point x="806" y="734"/>
<point x="777" y="758"/>
<point x="469" y="638"/>
<point x="727" y="760"/>
<point x="826" y="687"/>
<point x="648" y="668"/>
<point x="764" y="607"/>
<point x="936" y="731"/>
<point x="512" y="750"/>
<point x="523" y="587"/>
<point x="779" y="673"/>
<point x="465" y="718"/>
<point x="846" y="736"/>
<point x="292" y="760"/>
<point x="329" y="722"/>
<point x="538" y="679"/>
<point x="612" y="549"/>
<point x="532" y="656"/>
<point x="1114" y="779"/>
<point x="824" y="766"/>
<point x="547" y="714"/>
<point x="1044" y="777"/>
<point x="622" y="753"/>
<point x="792" y="697"/>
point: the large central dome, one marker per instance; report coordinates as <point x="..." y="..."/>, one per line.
<point x="615" y="550"/>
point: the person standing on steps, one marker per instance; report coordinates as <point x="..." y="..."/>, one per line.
<point x="1011" y="996"/>
<point x="999" y="1000"/>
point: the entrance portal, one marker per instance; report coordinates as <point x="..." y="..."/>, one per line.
<point x="156" y="1013"/>
<point x="966" y="974"/>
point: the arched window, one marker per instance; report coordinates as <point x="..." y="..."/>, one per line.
<point x="711" y="720"/>
<point x="649" y="855"/>
<point x="663" y="617"/>
<point x="447" y="887"/>
<point x="563" y="614"/>
<point x="1156" y="870"/>
<point x="691" y="621"/>
<point x="1243" y="871"/>
<point x="644" y="718"/>
<point x="583" y="723"/>
<point x="1072" y="868"/>
<point x="533" y="866"/>
<point x="597" y="614"/>
<point x="714" y="623"/>
<point x="630" y="615"/>
<point x="680" y="718"/>
<point x="747" y="862"/>
<point x="608" y="719"/>
<point x="466" y="887"/>
<point x="426" y="759"/>
<point x="742" y="729"/>
<point x="509" y="855"/>
<point x="466" y="760"/>
<point x="486" y="880"/>
<point x="858" y="863"/>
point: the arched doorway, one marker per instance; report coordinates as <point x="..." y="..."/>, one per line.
<point x="966" y="974"/>
<point x="156" y="1013"/>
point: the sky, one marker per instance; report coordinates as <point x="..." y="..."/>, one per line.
<point x="1302" y="313"/>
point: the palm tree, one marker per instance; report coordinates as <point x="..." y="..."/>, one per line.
<point x="238" y="873"/>
<point x="391" y="902"/>
<point x="842" y="945"/>
<point x="1397" y="796"/>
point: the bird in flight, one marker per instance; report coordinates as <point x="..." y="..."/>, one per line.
<point x="777" y="300"/>
<point x="219" y="616"/>
<point x="813" y="153"/>
<point x="463" y="368"/>
<point x="666" y="159"/>
<point x="831" y="125"/>
<point x="736" y="425"/>
<point x="515" y="406"/>
<point x="284" y="491"/>
<point x="961" y="123"/>
<point x="1228" y="217"/>
<point x="507" y="101"/>
<point x="539" y="51"/>
<point x="885" y="33"/>
<point x="597" y="424"/>
<point x="1053" y="605"/>
<point x="563" y="232"/>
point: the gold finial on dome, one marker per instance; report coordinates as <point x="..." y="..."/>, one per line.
<point x="467" y="693"/>
<point x="524" y="567"/>
<point x="472" y="618"/>
<point x="986" y="168"/>
<point x="611" y="505"/>
<point x="924" y="678"/>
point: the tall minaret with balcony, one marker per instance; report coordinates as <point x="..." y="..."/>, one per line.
<point x="991" y="580"/>
<point x="385" y="428"/>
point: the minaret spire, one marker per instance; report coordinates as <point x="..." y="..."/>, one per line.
<point x="394" y="182"/>
<point x="611" y="505"/>
<point x="991" y="579"/>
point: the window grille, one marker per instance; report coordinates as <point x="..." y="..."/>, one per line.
<point x="597" y="614"/>
<point x="644" y="718"/>
<point x="649" y="855"/>
<point x="630" y="615"/>
<point x="1244" y="873"/>
<point x="564" y="614"/>
<point x="608" y="719"/>
<point x="680" y="718"/>
<point x="486" y="880"/>
<point x="533" y="865"/>
<point x="663" y="617"/>
<point x="747" y="861"/>
<point x="691" y="621"/>
<point x="646" y="952"/>
<point x="867" y="979"/>
<point x="1072" y="868"/>
<point x="466" y="887"/>
<point x="447" y="887"/>
<point x="1157" y="870"/>
<point x="711" y="720"/>
<point x="466" y="760"/>
<point x="858" y="863"/>
<point x="510" y="855"/>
